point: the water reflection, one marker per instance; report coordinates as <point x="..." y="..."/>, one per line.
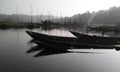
<point x="46" y="50"/>
<point x="31" y="41"/>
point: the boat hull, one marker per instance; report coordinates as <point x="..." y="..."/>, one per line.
<point x="62" y="43"/>
<point x="96" y="39"/>
<point x="44" y="37"/>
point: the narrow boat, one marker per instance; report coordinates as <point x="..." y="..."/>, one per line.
<point x="65" y="46"/>
<point x="64" y="42"/>
<point x="45" y="37"/>
<point x="93" y="39"/>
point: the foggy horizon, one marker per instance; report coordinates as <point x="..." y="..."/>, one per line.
<point x="54" y="15"/>
<point x="59" y="8"/>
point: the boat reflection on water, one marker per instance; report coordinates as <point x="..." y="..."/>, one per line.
<point x="46" y="51"/>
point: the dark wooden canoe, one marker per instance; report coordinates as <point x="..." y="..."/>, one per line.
<point x="96" y="39"/>
<point x="44" y="37"/>
<point x="65" y="46"/>
<point x="65" y="42"/>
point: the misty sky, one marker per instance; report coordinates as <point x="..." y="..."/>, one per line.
<point x="55" y="7"/>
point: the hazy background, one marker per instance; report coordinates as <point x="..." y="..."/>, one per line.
<point x="55" y="7"/>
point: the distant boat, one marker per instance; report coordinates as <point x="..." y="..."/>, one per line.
<point x="65" y="42"/>
<point x="93" y="39"/>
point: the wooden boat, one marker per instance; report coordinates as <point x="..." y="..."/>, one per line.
<point x="93" y="39"/>
<point x="64" y="42"/>
<point x="65" y="46"/>
<point x="44" y="37"/>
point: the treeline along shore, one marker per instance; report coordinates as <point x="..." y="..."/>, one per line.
<point x="7" y="25"/>
<point x="105" y="18"/>
<point x="44" y="25"/>
<point x="15" y="25"/>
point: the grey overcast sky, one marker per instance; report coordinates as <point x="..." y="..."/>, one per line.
<point x="55" y="7"/>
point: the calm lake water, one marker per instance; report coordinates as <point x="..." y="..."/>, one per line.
<point x="16" y="55"/>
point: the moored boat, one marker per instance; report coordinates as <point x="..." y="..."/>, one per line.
<point x="65" y="43"/>
<point x="65" y="46"/>
<point x="93" y="39"/>
<point x="45" y="37"/>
